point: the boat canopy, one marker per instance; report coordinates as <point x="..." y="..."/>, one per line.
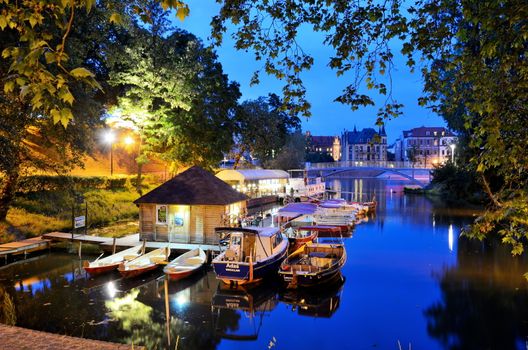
<point x="295" y="209"/>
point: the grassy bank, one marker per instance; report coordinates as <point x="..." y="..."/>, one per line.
<point x="111" y="212"/>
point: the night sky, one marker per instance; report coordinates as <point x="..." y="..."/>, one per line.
<point x="328" y="117"/>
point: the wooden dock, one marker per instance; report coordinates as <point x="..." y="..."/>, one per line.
<point x="107" y="243"/>
<point x="23" y="247"/>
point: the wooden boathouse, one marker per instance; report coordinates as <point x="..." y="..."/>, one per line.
<point x="187" y="208"/>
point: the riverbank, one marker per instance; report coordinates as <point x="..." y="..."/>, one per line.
<point x="13" y="338"/>
<point x="49" y="208"/>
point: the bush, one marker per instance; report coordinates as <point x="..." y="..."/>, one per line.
<point x="456" y="184"/>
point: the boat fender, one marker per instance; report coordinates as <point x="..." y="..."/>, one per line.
<point x="86" y="263"/>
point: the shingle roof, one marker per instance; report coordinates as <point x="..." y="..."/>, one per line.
<point x="423" y="130"/>
<point x="194" y="186"/>
<point x="322" y="141"/>
<point x="358" y="137"/>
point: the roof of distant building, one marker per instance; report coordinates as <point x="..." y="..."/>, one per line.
<point x="359" y="137"/>
<point x="322" y="141"/>
<point x="195" y="186"/>
<point x="427" y="131"/>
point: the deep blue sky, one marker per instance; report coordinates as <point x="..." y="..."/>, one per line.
<point x="328" y="117"/>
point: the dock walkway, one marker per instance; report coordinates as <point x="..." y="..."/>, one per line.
<point x="13" y="338"/>
<point x="23" y="247"/>
<point x="106" y="243"/>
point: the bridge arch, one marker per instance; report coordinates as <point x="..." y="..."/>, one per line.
<point x="389" y="170"/>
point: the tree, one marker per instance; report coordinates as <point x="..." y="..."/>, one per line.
<point x="292" y="155"/>
<point x="41" y="71"/>
<point x="262" y="129"/>
<point x="175" y="95"/>
<point x="31" y="140"/>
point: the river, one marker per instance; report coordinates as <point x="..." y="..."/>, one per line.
<point x="411" y="281"/>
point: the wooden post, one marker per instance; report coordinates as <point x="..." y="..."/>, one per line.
<point x="114" y="246"/>
<point x="80" y="249"/>
<point x="86" y="218"/>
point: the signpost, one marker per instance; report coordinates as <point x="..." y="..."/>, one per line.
<point x="80" y="221"/>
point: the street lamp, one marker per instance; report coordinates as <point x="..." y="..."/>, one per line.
<point x="452" y="152"/>
<point x="109" y="138"/>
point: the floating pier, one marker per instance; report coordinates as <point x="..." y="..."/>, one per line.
<point x="107" y="243"/>
<point x="23" y="247"/>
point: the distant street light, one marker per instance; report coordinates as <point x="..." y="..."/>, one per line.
<point x="109" y="138"/>
<point x="452" y="152"/>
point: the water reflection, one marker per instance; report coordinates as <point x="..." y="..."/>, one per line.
<point x="250" y="305"/>
<point x="484" y="300"/>
<point x="314" y="303"/>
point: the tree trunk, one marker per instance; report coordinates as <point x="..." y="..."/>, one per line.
<point x="7" y="192"/>
<point x="488" y="191"/>
<point x="139" y="189"/>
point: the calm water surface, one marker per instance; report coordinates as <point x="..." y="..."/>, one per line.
<point x="408" y="278"/>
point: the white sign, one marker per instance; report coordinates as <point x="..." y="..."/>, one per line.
<point x="80" y="221"/>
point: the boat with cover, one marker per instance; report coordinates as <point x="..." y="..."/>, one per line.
<point x="186" y="264"/>
<point x="144" y="263"/>
<point x="298" y="236"/>
<point x="250" y="254"/>
<point x="313" y="264"/>
<point x="111" y="262"/>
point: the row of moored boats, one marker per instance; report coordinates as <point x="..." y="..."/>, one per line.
<point x="250" y="254"/>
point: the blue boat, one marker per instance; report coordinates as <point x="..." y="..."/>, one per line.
<point x="251" y="254"/>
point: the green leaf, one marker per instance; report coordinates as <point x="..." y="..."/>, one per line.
<point x="66" y="116"/>
<point x="6" y="53"/>
<point x="9" y="86"/>
<point x="80" y="73"/>
<point x="56" y="115"/>
<point x="182" y="13"/>
<point x="65" y="95"/>
<point x="3" y="22"/>
<point x="33" y="21"/>
<point x="89" y="5"/>
<point x="116" y="18"/>
<point x="50" y="57"/>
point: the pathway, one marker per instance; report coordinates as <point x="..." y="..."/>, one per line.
<point x="16" y="338"/>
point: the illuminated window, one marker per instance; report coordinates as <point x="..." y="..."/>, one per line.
<point x="161" y="214"/>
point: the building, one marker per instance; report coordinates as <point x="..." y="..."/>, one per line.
<point x="428" y="146"/>
<point x="364" y="145"/>
<point x="324" y="145"/>
<point x="256" y="182"/>
<point x="187" y="208"/>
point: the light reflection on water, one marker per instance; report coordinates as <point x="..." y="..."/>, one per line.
<point x="409" y="277"/>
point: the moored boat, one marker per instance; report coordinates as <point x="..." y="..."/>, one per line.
<point x="111" y="262"/>
<point x="144" y="263"/>
<point x="299" y="236"/>
<point x="186" y="264"/>
<point x="251" y="254"/>
<point x="313" y="264"/>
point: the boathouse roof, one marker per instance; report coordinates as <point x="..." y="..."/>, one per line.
<point x="252" y="174"/>
<point x="194" y="186"/>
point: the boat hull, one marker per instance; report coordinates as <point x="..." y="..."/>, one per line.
<point x="97" y="270"/>
<point x="312" y="280"/>
<point x="174" y="276"/>
<point x="297" y="242"/>
<point x="239" y="273"/>
<point x="131" y="273"/>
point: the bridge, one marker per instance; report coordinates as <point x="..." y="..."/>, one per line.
<point x="416" y="174"/>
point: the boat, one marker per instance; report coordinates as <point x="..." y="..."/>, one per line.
<point x="298" y="236"/>
<point x="144" y="263"/>
<point x="250" y="254"/>
<point x="111" y="262"/>
<point x="313" y="264"/>
<point x="186" y="264"/>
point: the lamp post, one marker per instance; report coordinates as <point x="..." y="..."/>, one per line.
<point x="109" y="138"/>
<point x="452" y="152"/>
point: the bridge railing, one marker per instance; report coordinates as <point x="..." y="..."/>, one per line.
<point x="366" y="164"/>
